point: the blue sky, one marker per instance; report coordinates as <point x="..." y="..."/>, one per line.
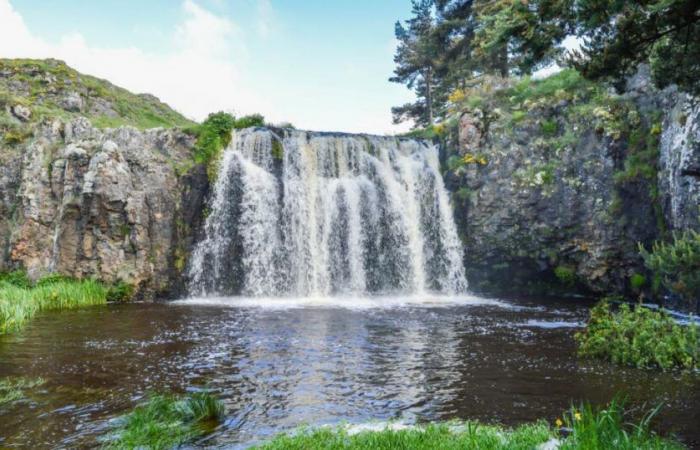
<point x="321" y="65"/>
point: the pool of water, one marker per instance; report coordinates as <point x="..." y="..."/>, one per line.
<point x="279" y="364"/>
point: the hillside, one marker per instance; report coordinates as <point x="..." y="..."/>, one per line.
<point x="31" y="90"/>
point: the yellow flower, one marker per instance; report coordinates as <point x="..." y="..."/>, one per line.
<point x="558" y="423"/>
<point x="577" y="415"/>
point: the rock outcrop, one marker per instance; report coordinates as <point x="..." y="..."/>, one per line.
<point x="111" y="204"/>
<point x="572" y="180"/>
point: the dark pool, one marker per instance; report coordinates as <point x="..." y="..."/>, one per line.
<point x="290" y="363"/>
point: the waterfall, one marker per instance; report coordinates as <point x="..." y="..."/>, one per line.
<point x="302" y="214"/>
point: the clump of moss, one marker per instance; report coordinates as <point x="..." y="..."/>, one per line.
<point x="565" y="275"/>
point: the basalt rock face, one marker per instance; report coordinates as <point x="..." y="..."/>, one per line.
<point x="560" y="190"/>
<point x="110" y="204"/>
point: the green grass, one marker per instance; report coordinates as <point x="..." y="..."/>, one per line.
<point x="13" y="388"/>
<point x="167" y="421"/>
<point x="587" y="428"/>
<point x="20" y="299"/>
<point x="467" y="435"/>
<point x="28" y="85"/>
<point x="595" y="428"/>
<point x="639" y="337"/>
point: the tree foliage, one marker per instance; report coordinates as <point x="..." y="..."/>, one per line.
<point x="448" y="44"/>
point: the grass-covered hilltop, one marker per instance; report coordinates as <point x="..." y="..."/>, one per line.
<point x="32" y="90"/>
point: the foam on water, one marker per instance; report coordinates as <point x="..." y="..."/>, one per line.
<point x="346" y="302"/>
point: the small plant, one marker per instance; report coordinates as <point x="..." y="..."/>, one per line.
<point x="565" y="275"/>
<point x="166" y="421"/>
<point x="638" y="281"/>
<point x="677" y="264"/>
<point x="640" y="338"/>
<point x="549" y="127"/>
<point x="120" y="292"/>
<point x="13" y="388"/>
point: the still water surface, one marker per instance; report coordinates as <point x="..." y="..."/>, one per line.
<point x="279" y="364"/>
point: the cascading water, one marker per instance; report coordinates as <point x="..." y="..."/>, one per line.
<point x="307" y="214"/>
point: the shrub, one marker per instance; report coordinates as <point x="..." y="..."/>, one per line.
<point x="677" y="264"/>
<point x="640" y="338"/>
<point x="166" y="421"/>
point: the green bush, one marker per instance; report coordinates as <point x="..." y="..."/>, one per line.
<point x="677" y="264"/>
<point x="166" y="421"/>
<point x="640" y="338"/>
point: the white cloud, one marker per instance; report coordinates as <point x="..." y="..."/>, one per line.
<point x="265" y="17"/>
<point x="196" y="76"/>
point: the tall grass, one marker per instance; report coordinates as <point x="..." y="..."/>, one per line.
<point x="582" y="428"/>
<point x="19" y="302"/>
<point x="166" y="421"/>
<point x="606" y="428"/>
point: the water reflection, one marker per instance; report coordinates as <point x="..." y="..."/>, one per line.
<point x="277" y="368"/>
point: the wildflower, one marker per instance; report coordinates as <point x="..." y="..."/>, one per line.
<point x="558" y="423"/>
<point x="577" y="415"/>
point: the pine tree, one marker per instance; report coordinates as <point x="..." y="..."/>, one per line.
<point x="417" y="58"/>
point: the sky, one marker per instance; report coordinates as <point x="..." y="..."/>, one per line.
<point x="319" y="64"/>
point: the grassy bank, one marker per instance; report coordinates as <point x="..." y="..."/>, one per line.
<point x="20" y="299"/>
<point x="167" y="421"/>
<point x="580" y="428"/>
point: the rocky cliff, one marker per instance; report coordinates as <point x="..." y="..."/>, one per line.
<point x="556" y="182"/>
<point x="118" y="204"/>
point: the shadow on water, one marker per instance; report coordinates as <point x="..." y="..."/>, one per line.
<point x="277" y="368"/>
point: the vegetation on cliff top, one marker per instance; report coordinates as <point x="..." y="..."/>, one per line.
<point x="214" y="135"/>
<point x="585" y="427"/>
<point x="20" y="299"/>
<point x="639" y="337"/>
<point x="449" y="44"/>
<point x="167" y="421"/>
<point x="32" y="90"/>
